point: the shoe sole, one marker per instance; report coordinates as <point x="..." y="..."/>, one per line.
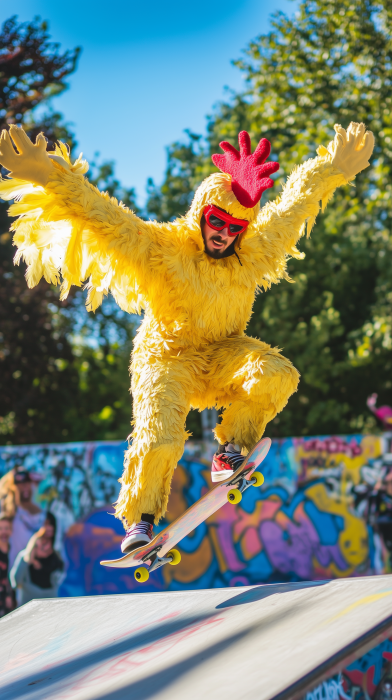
<point x="222" y="475"/>
<point x="134" y="544"/>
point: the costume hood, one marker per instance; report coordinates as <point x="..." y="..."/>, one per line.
<point x="237" y="188"/>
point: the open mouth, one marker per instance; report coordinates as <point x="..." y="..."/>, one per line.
<point x="217" y="242"/>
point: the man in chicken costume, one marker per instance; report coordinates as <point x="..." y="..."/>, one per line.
<point x="195" y="278"/>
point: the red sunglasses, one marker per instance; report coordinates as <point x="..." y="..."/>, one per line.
<point x="218" y="219"/>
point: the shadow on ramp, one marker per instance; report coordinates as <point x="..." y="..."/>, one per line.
<point x="162" y="679"/>
<point x="53" y="673"/>
<point x="264" y="591"/>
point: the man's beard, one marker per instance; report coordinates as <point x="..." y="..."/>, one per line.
<point x="218" y="254"/>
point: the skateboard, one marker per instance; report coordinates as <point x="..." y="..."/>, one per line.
<point x="160" y="550"/>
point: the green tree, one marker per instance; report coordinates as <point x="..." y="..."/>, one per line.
<point x="36" y="374"/>
<point x="174" y="196"/>
<point x="63" y="373"/>
<point x="330" y="63"/>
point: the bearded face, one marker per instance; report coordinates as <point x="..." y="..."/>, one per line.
<point x="220" y="230"/>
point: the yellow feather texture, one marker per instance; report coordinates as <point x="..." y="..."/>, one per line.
<point x="191" y="349"/>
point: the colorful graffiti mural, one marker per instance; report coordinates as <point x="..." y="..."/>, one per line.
<point x="305" y="523"/>
<point x="367" y="678"/>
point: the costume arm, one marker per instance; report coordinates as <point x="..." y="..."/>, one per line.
<point x="281" y="223"/>
<point x="19" y="571"/>
<point x="66" y="226"/>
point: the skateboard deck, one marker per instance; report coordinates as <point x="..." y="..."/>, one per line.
<point x="152" y="555"/>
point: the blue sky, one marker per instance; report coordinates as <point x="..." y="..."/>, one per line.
<point x="161" y="66"/>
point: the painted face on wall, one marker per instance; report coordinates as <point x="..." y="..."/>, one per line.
<point x="354" y="542"/>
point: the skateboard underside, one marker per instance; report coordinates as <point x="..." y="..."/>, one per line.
<point x="152" y="556"/>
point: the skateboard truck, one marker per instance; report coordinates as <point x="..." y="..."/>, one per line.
<point x="151" y="555"/>
<point x="157" y="562"/>
<point x="173" y="557"/>
<point x="234" y="496"/>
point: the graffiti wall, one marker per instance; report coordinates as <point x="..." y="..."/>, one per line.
<point x="368" y="678"/>
<point x="311" y="520"/>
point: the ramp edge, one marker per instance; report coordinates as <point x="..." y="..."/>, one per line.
<point x="336" y="663"/>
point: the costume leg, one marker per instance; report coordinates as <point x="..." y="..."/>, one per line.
<point x="161" y="388"/>
<point x="253" y="382"/>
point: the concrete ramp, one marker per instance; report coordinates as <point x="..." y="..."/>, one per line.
<point x="263" y="642"/>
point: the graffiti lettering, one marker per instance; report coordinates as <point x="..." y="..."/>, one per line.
<point x="329" y="690"/>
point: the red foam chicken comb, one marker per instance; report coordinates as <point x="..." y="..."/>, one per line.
<point x="249" y="173"/>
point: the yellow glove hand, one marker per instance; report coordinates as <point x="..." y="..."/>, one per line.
<point x="350" y="150"/>
<point x="30" y="162"/>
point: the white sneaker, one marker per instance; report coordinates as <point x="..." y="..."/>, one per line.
<point x="137" y="535"/>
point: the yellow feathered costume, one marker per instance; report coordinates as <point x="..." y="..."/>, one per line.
<point x="191" y="349"/>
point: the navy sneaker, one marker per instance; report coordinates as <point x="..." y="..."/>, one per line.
<point x="137" y="535"/>
<point x="225" y="461"/>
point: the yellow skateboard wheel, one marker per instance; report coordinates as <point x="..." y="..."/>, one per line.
<point x="175" y="555"/>
<point x="234" y="496"/>
<point x="257" y="479"/>
<point x="141" y="574"/>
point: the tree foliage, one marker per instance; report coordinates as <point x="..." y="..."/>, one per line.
<point x="330" y="63"/>
<point x="174" y="196"/>
<point x="35" y="360"/>
<point x="32" y="69"/>
<point x="61" y="377"/>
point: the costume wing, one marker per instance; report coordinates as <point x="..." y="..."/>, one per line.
<point x="70" y="231"/>
<point x="280" y="224"/>
<point x="274" y="235"/>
